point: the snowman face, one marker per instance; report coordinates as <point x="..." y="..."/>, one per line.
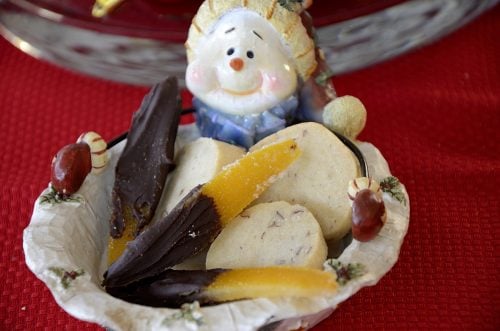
<point x="241" y="66"/>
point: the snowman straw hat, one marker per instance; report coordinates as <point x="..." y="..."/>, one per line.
<point x="282" y="15"/>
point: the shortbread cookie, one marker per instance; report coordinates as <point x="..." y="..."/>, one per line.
<point x="268" y="234"/>
<point x="197" y="163"/>
<point x="318" y="179"/>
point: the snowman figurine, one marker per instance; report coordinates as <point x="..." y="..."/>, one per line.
<point x="253" y="69"/>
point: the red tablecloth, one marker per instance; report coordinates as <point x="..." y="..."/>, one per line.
<point x="434" y="114"/>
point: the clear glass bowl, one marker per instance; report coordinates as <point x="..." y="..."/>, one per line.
<point x="142" y="41"/>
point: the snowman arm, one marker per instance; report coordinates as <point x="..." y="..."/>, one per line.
<point x="318" y="99"/>
<point x="318" y="90"/>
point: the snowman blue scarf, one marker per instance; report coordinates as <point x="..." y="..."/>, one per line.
<point x="248" y="129"/>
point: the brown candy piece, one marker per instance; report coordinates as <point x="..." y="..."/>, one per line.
<point x="70" y="167"/>
<point x="368" y="215"/>
<point x="146" y="160"/>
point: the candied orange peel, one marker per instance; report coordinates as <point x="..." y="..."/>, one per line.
<point x="116" y="246"/>
<point x="250" y="283"/>
<point x="232" y="189"/>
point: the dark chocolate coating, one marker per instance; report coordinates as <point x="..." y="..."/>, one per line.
<point x="189" y="228"/>
<point x="147" y="158"/>
<point x="171" y="288"/>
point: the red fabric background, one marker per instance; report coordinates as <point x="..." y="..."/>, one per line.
<point x="434" y="114"/>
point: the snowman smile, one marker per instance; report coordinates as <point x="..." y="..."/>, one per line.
<point x="242" y="82"/>
<point x="246" y="92"/>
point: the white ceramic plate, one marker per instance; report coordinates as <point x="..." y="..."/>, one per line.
<point x="65" y="245"/>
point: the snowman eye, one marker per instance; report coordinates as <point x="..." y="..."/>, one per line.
<point x="250" y="54"/>
<point x="230" y="51"/>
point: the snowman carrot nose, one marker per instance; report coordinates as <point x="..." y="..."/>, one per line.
<point x="236" y="63"/>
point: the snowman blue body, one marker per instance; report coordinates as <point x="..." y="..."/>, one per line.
<point x="248" y="129"/>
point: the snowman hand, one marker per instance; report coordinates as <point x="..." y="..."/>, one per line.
<point x="345" y="115"/>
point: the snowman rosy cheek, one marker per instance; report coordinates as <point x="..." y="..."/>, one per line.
<point x="273" y="82"/>
<point x="194" y="74"/>
<point x="200" y="78"/>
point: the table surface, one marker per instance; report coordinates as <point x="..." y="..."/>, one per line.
<point x="434" y="114"/>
